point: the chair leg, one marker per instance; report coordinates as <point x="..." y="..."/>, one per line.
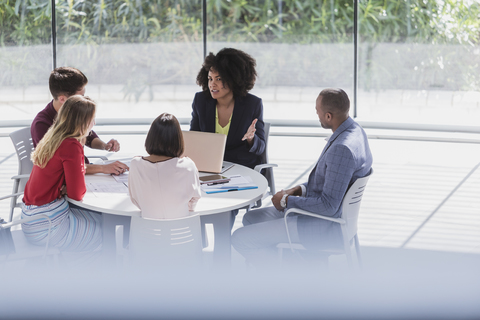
<point x="126" y="235"/>
<point x="257" y="204"/>
<point x="280" y="255"/>
<point x="271" y="182"/>
<point x="10" y="218"/>
<point x="347" y="247"/>
<point x="357" y="250"/>
<point x="13" y="200"/>
<point x="204" y="236"/>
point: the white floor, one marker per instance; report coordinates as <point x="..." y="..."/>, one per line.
<point x="419" y="230"/>
<point x="422" y="196"/>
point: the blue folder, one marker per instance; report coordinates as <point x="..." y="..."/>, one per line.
<point x="230" y="188"/>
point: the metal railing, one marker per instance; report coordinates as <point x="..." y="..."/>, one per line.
<point x="424" y="130"/>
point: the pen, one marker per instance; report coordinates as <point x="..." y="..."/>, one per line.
<point x="227" y="169"/>
<point x="236" y="187"/>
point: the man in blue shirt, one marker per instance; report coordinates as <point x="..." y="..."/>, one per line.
<point x="345" y="158"/>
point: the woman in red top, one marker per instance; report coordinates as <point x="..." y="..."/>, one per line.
<point x="59" y="169"/>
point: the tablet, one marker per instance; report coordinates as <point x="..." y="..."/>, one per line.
<point x="214" y="178"/>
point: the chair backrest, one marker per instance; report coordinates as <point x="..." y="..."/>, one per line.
<point x="351" y="204"/>
<point x="268" y="173"/>
<point x="266" y="129"/>
<point x="9" y="244"/>
<point x="22" y="141"/>
<point x="165" y="242"/>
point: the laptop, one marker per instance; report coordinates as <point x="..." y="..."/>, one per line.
<point x="206" y="149"/>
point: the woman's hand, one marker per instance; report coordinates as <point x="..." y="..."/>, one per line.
<point x="250" y="132"/>
<point x="63" y="191"/>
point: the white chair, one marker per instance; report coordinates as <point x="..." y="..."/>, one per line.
<point x="165" y="243"/>
<point x="22" y="141"/>
<point x="15" y="246"/>
<point x="268" y="167"/>
<point x="348" y="223"/>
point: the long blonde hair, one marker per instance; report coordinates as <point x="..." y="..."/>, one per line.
<point x="72" y="121"/>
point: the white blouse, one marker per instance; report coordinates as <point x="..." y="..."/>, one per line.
<point x="164" y="190"/>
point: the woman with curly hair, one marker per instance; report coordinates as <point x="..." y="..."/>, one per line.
<point x="225" y="106"/>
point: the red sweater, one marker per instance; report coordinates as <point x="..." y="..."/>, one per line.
<point x="67" y="167"/>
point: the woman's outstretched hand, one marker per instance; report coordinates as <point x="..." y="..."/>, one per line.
<point x="250" y="132"/>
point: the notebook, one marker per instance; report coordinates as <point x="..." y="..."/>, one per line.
<point x="205" y="149"/>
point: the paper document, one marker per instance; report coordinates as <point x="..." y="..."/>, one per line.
<point x="107" y="187"/>
<point x="121" y="177"/>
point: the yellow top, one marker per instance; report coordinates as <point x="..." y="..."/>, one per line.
<point x="218" y="127"/>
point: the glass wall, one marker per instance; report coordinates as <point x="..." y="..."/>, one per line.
<point x="25" y="56"/>
<point x="140" y="56"/>
<point x="300" y="47"/>
<point x="418" y="60"/>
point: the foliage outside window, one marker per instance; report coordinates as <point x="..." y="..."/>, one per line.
<point x="422" y="23"/>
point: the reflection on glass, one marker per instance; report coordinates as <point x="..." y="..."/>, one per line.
<point x="140" y="56"/>
<point x="419" y="61"/>
<point x="25" y="56"/>
<point x="300" y="47"/>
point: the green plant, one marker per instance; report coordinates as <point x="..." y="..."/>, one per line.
<point x="89" y="24"/>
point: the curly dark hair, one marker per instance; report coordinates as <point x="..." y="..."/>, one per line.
<point x="235" y="67"/>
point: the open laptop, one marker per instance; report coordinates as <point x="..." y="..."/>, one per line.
<point x="205" y="149"/>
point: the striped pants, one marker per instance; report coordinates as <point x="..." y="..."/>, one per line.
<point x="73" y="229"/>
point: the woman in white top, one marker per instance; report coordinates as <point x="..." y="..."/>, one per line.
<point x="163" y="185"/>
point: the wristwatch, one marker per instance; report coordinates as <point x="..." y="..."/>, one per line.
<point x="283" y="202"/>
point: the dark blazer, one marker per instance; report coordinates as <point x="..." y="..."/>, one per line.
<point x="245" y="111"/>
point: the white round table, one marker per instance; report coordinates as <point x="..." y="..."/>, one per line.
<point x="116" y="207"/>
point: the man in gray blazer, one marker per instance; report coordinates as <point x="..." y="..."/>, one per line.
<point x="345" y="158"/>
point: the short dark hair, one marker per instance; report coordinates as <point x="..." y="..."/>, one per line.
<point x="335" y="100"/>
<point x="66" y="81"/>
<point x="235" y="67"/>
<point x="165" y="137"/>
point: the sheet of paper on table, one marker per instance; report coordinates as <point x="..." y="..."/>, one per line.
<point x="107" y="187"/>
<point x="123" y="178"/>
